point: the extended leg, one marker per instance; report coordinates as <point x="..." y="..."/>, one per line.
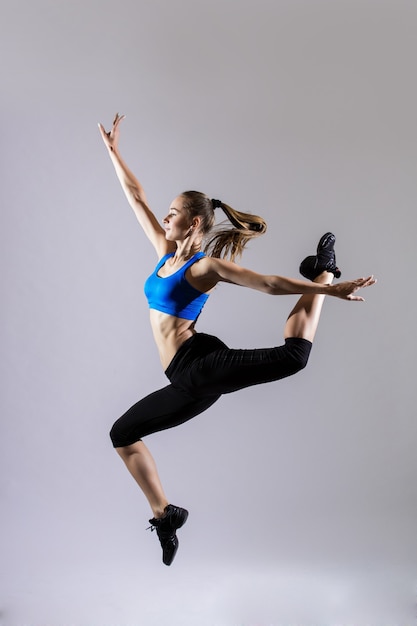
<point x="142" y="466"/>
<point x="167" y="517"/>
<point x="162" y="409"/>
<point x="158" y="411"/>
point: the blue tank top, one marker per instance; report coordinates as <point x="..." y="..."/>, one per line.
<point x="173" y="294"/>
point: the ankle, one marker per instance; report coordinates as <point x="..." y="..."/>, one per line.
<point x="325" y="278"/>
<point x="159" y="511"/>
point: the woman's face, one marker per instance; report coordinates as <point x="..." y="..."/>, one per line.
<point x="177" y="223"/>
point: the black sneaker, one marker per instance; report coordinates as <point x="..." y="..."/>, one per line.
<point x="165" y="528"/>
<point x="324" y="261"/>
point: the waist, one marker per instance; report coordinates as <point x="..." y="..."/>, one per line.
<point x="169" y="333"/>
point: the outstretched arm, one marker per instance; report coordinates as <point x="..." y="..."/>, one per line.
<point x="133" y="190"/>
<point x="220" y="270"/>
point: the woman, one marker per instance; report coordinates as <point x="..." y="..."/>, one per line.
<point x="201" y="367"/>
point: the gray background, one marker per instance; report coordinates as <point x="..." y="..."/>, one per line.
<point x="302" y="494"/>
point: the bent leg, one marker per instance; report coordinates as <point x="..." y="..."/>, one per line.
<point x="303" y="320"/>
<point x="226" y="370"/>
<point x="160" y="410"/>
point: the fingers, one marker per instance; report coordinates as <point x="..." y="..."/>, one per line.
<point x="364" y="282"/>
<point x="103" y="131"/>
<point x="117" y="119"/>
<point x="360" y="283"/>
<point x="367" y="282"/>
<point x="110" y="138"/>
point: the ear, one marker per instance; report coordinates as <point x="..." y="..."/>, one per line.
<point x="196" y="223"/>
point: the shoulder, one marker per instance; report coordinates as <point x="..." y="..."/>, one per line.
<point x="199" y="265"/>
<point x="215" y="269"/>
<point x="209" y="271"/>
<point x="203" y="264"/>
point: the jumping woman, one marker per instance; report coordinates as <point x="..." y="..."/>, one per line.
<point x="191" y="261"/>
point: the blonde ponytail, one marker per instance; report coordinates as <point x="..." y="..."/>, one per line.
<point x="230" y="242"/>
<point x="222" y="241"/>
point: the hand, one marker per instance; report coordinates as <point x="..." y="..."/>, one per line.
<point x="111" y="139"/>
<point x="348" y="288"/>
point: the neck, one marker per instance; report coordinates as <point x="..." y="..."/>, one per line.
<point x="186" y="249"/>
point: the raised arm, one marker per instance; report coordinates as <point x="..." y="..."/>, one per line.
<point x="133" y="190"/>
<point x="219" y="270"/>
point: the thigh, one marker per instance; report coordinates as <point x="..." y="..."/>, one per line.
<point x="227" y="370"/>
<point x="162" y="409"/>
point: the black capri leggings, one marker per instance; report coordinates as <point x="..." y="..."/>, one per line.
<point x="201" y="371"/>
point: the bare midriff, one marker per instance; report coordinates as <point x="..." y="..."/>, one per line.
<point x="169" y="333"/>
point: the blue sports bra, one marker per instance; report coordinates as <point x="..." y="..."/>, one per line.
<point x="173" y="294"/>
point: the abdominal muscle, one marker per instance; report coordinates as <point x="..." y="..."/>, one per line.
<point x="169" y="333"/>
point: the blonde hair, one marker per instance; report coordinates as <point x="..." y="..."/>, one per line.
<point x="224" y="241"/>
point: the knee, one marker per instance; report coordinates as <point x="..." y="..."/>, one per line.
<point x="115" y="435"/>
<point x="121" y="437"/>
<point x="300" y="351"/>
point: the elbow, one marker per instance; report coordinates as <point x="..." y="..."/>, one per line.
<point x="272" y="287"/>
<point x="133" y="191"/>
